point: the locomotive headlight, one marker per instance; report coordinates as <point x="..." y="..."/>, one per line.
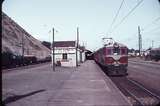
<point x="115" y="54"/>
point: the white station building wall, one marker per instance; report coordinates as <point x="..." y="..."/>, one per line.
<point x="71" y="61"/>
<point x="71" y="56"/>
<point x="83" y="56"/>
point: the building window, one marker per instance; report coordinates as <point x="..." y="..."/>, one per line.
<point x="64" y="56"/>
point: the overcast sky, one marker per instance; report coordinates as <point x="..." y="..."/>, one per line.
<point x="93" y="17"/>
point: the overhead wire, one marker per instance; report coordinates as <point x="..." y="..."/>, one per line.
<point x="146" y="26"/>
<point x="149" y="25"/>
<point x="127" y="14"/>
<point x="153" y="30"/>
<point x="115" y="16"/>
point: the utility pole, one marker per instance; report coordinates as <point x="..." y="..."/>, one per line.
<point x="77" y="45"/>
<point x="139" y="40"/>
<point x="53" y="65"/>
<point x="22" y="49"/>
<point x="152" y="43"/>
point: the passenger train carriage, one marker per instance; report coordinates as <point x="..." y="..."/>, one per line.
<point x="113" y="57"/>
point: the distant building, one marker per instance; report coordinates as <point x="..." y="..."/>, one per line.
<point x="89" y="55"/>
<point x="82" y="52"/>
<point x="65" y="53"/>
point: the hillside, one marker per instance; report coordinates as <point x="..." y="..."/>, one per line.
<point x="13" y="36"/>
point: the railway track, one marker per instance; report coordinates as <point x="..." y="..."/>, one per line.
<point x="135" y="92"/>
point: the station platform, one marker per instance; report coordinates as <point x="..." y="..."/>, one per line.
<point x="89" y="86"/>
<point x="86" y="85"/>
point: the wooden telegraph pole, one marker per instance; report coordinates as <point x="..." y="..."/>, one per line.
<point x="77" y="45"/>
<point x="53" y="59"/>
<point x="152" y="43"/>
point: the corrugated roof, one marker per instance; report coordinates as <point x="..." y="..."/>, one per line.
<point x="64" y="44"/>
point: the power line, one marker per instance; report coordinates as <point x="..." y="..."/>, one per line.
<point x="115" y="16"/>
<point x="127" y="15"/>
<point x="155" y="29"/>
<point x="148" y="25"/>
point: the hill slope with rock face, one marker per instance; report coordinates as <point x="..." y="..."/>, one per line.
<point x="13" y="36"/>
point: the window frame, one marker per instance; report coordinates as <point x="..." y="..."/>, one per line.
<point x="64" y="56"/>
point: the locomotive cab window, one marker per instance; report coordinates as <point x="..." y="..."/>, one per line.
<point x="116" y="51"/>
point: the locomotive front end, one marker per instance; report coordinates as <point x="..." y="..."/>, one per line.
<point x="116" y="59"/>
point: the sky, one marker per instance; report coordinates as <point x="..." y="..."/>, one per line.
<point x="92" y="17"/>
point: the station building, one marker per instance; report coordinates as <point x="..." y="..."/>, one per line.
<point x="65" y="53"/>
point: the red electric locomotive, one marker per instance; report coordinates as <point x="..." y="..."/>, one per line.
<point x="113" y="56"/>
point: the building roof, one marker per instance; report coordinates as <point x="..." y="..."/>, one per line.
<point x="64" y="43"/>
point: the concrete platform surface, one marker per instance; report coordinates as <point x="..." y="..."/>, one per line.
<point x="86" y="85"/>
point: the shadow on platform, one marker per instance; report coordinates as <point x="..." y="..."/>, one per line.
<point x="17" y="97"/>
